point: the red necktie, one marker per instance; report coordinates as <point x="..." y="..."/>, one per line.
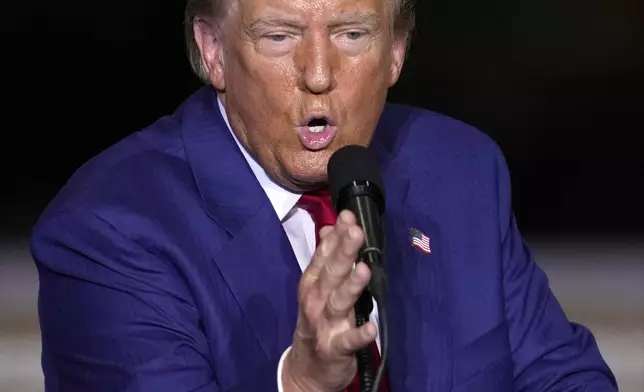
<point x="319" y="206"/>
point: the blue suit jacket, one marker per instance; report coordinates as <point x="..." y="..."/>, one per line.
<point x="163" y="267"/>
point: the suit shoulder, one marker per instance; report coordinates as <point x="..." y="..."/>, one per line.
<point x="442" y="151"/>
<point x="130" y="169"/>
<point x="419" y="131"/>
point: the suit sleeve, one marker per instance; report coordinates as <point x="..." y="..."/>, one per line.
<point x="115" y="317"/>
<point x="550" y="353"/>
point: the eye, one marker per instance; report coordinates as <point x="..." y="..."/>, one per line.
<point x="353" y="41"/>
<point x="277" y="37"/>
<point x="354" y="35"/>
<point x="277" y="43"/>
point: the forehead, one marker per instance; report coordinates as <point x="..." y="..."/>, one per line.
<point x="312" y="9"/>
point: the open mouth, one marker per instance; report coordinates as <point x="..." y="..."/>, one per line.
<point x="317" y="125"/>
<point x="317" y="132"/>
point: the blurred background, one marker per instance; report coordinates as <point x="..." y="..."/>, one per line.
<point x="559" y="85"/>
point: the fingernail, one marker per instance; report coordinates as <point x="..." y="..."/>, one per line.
<point x="344" y="216"/>
<point x="341" y="218"/>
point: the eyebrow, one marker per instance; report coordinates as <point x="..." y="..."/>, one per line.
<point x="281" y="20"/>
<point x="274" y="21"/>
<point x="367" y="18"/>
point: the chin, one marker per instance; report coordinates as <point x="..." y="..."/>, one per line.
<point x="306" y="180"/>
<point x="306" y="169"/>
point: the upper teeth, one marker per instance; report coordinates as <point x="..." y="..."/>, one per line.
<point x="317" y="128"/>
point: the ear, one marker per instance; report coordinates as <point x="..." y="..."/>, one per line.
<point x="398" y="52"/>
<point x="211" y="49"/>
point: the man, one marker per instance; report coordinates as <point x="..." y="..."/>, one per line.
<point x="181" y="259"/>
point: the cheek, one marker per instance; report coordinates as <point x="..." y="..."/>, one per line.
<point x="268" y="86"/>
<point x="266" y="72"/>
<point x="368" y="74"/>
<point x="365" y="88"/>
<point x="264" y="89"/>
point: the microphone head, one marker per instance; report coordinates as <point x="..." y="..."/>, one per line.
<point x="353" y="164"/>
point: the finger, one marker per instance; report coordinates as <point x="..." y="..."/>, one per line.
<point x="347" y="217"/>
<point x="339" y="264"/>
<point x="343" y="298"/>
<point x="328" y="243"/>
<point x="324" y="251"/>
<point x="354" y="339"/>
<point x="325" y="231"/>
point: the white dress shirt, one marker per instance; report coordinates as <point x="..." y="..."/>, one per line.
<point x="297" y="223"/>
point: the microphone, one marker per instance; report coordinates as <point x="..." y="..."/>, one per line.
<point x="356" y="185"/>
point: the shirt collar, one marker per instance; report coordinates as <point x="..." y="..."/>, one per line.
<point x="281" y="199"/>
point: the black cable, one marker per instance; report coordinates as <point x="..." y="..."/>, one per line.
<point x="384" y="345"/>
<point x="378" y="288"/>
<point x="370" y="382"/>
<point x="363" y="309"/>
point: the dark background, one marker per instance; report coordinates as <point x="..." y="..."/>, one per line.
<point x="557" y="84"/>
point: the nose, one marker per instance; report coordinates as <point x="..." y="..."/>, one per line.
<point x="317" y="64"/>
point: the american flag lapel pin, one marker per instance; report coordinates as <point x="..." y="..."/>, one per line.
<point x="420" y="240"/>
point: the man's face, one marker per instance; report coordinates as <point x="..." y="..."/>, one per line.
<point x="302" y="78"/>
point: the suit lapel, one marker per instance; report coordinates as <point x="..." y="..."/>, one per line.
<point x="418" y="317"/>
<point x="263" y="273"/>
<point x="258" y="261"/>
